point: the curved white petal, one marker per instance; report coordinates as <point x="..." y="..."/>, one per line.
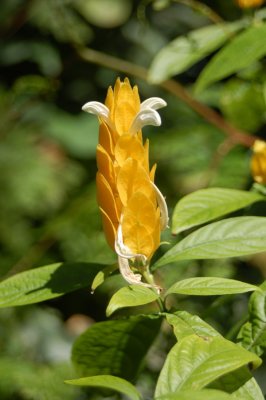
<point x="97" y="108"/>
<point x="143" y="118"/>
<point x="153" y="102"/>
<point x="163" y="208"/>
<point x="130" y="277"/>
<point x="123" y="251"/>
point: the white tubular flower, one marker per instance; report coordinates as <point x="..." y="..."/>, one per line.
<point x="123" y="251"/>
<point x="97" y="108"/>
<point x="154" y="103"/>
<point x="164" y="218"/>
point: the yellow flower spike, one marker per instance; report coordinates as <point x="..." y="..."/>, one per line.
<point x="132" y="177"/>
<point x="133" y="209"/>
<point x="249" y="3"/>
<point x="258" y="161"/>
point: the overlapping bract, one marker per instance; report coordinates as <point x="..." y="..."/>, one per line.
<point x="258" y="161"/>
<point x="133" y="209"/>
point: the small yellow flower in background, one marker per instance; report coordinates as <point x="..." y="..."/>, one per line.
<point x="249" y="3"/>
<point x="133" y="209"/>
<point x="258" y="161"/>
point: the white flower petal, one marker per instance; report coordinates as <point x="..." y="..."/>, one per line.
<point x="163" y="208"/>
<point x="143" y="118"/>
<point x="97" y="108"/>
<point x="130" y="277"/>
<point x="123" y="251"/>
<point x="153" y="102"/>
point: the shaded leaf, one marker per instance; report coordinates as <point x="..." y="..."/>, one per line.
<point x="115" y="347"/>
<point x="109" y="382"/>
<point x="46" y="283"/>
<point x="239" y="53"/>
<point x="207" y="204"/>
<point x="131" y="296"/>
<point x="184" y="51"/>
<point x="240" y="383"/>
<point x="228" y="238"/>
<point x="253" y="333"/>
<point x="249" y="391"/>
<point x="196" y="361"/>
<point x="209" y="286"/>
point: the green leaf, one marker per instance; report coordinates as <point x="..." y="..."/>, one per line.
<point x="230" y="237"/>
<point x="196" y="361"/>
<point x="102" y="275"/>
<point x="184" y="51"/>
<point x="243" y="104"/>
<point x="131" y="296"/>
<point x="205" y="394"/>
<point x="209" y="286"/>
<point x="240" y="383"/>
<point x="249" y="391"/>
<point x="186" y="324"/>
<point x="239" y="53"/>
<point x="208" y="204"/>
<point x="115" y="347"/>
<point x="253" y="333"/>
<point x="46" y="283"/>
<point x="109" y="382"/>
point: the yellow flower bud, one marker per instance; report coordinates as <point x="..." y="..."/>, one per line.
<point x="133" y="210"/>
<point x="249" y="3"/>
<point x="258" y="161"/>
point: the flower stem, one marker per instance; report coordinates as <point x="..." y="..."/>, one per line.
<point x="149" y="279"/>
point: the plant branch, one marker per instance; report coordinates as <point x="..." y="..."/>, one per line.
<point x="236" y="135"/>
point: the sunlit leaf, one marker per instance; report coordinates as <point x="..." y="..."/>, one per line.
<point x="208" y="286"/>
<point x="109" y="382"/>
<point x="131" y="296"/>
<point x="196" y="361"/>
<point x="46" y="283"/>
<point x="207" y="204"/>
<point x="102" y="275"/>
<point x="186" y="324"/>
<point x="239" y="53"/>
<point x="115" y="347"/>
<point x="227" y="238"/>
<point x="205" y="394"/>
<point x="185" y="51"/>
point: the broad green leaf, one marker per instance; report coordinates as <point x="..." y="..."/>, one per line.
<point x="240" y="383"/>
<point x="131" y="296"/>
<point x="115" y="347"/>
<point x="109" y="382"/>
<point x="230" y="237"/>
<point x="205" y="394"/>
<point x="239" y="53"/>
<point x="196" y="361"/>
<point x="46" y="283"/>
<point x="253" y="333"/>
<point x="185" y="51"/>
<point x="249" y="391"/>
<point x="102" y="275"/>
<point x="186" y="324"/>
<point x="208" y="204"/>
<point x="209" y="286"/>
<point x="243" y="104"/>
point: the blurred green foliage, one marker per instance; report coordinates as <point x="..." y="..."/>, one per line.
<point x="48" y="208"/>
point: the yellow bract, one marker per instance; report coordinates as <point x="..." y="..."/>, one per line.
<point x="258" y="161"/>
<point x="125" y="191"/>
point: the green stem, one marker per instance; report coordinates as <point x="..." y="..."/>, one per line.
<point x="149" y="279"/>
